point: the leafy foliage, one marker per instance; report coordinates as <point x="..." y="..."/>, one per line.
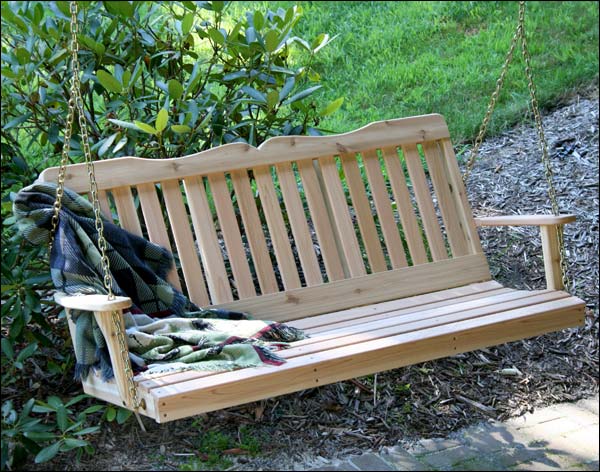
<point x="159" y="79"/>
<point x="23" y="434"/>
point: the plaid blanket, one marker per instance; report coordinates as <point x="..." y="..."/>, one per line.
<point x="165" y="331"/>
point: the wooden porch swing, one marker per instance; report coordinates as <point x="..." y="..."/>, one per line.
<point x="425" y="291"/>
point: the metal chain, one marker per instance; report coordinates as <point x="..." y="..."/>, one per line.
<point x="76" y="104"/>
<point x="520" y="34"/>
<point x="490" y="109"/>
<point x="544" y="147"/>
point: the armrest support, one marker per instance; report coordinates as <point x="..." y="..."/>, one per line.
<point x="103" y="312"/>
<point x="550" y="248"/>
<point x="94" y="302"/>
<point x="524" y="220"/>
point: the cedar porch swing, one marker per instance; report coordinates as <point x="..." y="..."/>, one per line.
<point x="433" y="298"/>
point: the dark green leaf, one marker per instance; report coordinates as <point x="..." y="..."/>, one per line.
<point x="287" y="88"/>
<point x="111" y="413"/>
<point x="124" y="124"/>
<point x="303" y="94"/>
<point x="255" y="94"/>
<point x="122" y="415"/>
<point x="216" y="36"/>
<point x="119" y="8"/>
<point x="271" y="40"/>
<point x="109" y="82"/>
<point x="26" y="352"/>
<point x="48" y="452"/>
<point x="7" y="348"/>
<point x="175" y="89"/>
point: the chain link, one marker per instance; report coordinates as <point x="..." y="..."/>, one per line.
<point x="75" y="104"/>
<point x="520" y="34"/>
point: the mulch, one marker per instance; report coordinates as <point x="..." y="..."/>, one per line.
<point x="435" y="398"/>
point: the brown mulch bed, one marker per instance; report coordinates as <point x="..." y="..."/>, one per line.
<point x="431" y="399"/>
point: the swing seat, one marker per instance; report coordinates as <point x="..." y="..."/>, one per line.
<point x="365" y="240"/>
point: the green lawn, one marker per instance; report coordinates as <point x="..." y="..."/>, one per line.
<point x="396" y="59"/>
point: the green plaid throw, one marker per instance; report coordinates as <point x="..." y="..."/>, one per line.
<point x="166" y="332"/>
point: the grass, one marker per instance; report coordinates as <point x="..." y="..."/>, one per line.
<point x="396" y="59"/>
<point x="213" y="447"/>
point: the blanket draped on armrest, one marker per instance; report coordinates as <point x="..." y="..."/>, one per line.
<point x="165" y="331"/>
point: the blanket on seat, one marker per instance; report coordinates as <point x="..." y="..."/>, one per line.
<point x="165" y="331"/>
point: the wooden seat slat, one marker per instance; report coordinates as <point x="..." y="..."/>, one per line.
<point x="231" y="235"/>
<point x="415" y="302"/>
<point x="226" y="389"/>
<point x="299" y="224"/>
<point x="437" y="311"/>
<point x="410" y="226"/>
<point x="455" y="303"/>
<point x="364" y="214"/>
<point x="254" y="232"/>
<point x="429" y="317"/>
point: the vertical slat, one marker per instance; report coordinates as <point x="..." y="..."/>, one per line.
<point x="155" y="224"/>
<point x="299" y="224"/>
<point x="457" y="188"/>
<point x="232" y="236"/>
<point x="210" y="250"/>
<point x="186" y="246"/>
<point x="439" y="177"/>
<point x="279" y="236"/>
<point x="128" y="217"/>
<point x="364" y="215"/>
<point x="425" y="203"/>
<point x="384" y="209"/>
<point x="254" y="232"/>
<point x="404" y="206"/>
<point x="109" y="330"/>
<point x="551" y="251"/>
<point x="341" y="215"/>
<point x="104" y="205"/>
<point x="321" y="220"/>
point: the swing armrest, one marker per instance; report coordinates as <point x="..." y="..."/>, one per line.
<point x="524" y="220"/>
<point x="103" y="308"/>
<point x="550" y="245"/>
<point x="96" y="302"/>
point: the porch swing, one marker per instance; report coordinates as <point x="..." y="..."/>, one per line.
<point x="425" y="292"/>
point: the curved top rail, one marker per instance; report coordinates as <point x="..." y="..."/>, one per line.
<point x="123" y="171"/>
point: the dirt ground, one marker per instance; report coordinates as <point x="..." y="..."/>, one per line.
<point x="431" y="399"/>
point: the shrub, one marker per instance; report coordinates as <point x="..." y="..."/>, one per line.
<point x="159" y="79"/>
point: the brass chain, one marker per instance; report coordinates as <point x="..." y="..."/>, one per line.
<point x="544" y="148"/>
<point x="520" y="34"/>
<point x="76" y="104"/>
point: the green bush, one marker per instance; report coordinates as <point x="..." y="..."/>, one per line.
<point x="159" y="79"/>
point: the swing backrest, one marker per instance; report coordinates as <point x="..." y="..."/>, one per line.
<point x="303" y="225"/>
